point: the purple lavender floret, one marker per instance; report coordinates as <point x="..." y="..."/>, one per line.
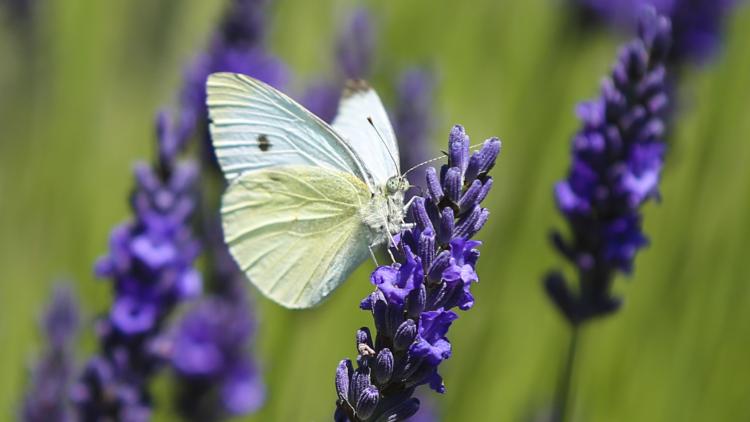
<point x="697" y="25"/>
<point x="50" y="377"/>
<point x="150" y="266"/>
<point x="412" y="305"/>
<point x="616" y="167"/>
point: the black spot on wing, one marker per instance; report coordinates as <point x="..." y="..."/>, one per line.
<point x="263" y="143"/>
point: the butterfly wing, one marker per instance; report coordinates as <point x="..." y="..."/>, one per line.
<point x="254" y="126"/>
<point x="359" y="110"/>
<point x="296" y="231"/>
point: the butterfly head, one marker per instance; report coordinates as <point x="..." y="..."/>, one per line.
<point x="396" y="184"/>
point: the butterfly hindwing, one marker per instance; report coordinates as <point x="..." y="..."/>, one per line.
<point x="296" y="231"/>
<point x="362" y="121"/>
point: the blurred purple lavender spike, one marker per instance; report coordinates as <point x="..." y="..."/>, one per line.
<point x="150" y="265"/>
<point x="697" y="24"/>
<point x="414" y="297"/>
<point x="50" y="377"/>
<point x="616" y="166"/>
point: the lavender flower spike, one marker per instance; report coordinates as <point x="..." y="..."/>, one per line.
<point x="412" y="305"/>
<point x="47" y="396"/>
<point x="150" y="266"/>
<point x="616" y="166"/>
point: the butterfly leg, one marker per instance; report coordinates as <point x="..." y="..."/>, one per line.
<point x="372" y="254"/>
<point x="408" y="204"/>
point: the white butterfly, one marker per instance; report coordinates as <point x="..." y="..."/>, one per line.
<point x="306" y="201"/>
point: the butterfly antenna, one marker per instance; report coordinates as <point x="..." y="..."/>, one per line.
<point x="385" y="144"/>
<point x="445" y="154"/>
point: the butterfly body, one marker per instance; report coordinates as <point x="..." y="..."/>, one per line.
<point x="306" y="201"/>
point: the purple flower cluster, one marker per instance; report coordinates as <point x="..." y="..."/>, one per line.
<point x="697" y="24"/>
<point x="414" y="297"/>
<point x="46" y="398"/>
<point x="616" y="166"/>
<point x="150" y="265"/>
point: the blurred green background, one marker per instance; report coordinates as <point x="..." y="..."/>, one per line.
<point x="77" y="98"/>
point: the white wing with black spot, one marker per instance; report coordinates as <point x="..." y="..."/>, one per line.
<point x="254" y="126"/>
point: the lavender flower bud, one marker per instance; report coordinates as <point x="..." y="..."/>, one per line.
<point x="458" y="149"/>
<point x="405" y="335"/>
<point x="344" y="373"/>
<point x="426" y="247"/>
<point x="468" y="222"/>
<point x="383" y="368"/>
<point x="441" y="262"/>
<point x="359" y="382"/>
<point x="486" y="186"/>
<point x="420" y="214"/>
<point x="483" y="160"/>
<point x="470" y="198"/>
<point x="447" y="224"/>
<point x="453" y="184"/>
<point x="416" y="301"/>
<point x="367" y="402"/>
<point x="433" y="185"/>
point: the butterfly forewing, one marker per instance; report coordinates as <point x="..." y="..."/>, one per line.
<point x="254" y="126"/>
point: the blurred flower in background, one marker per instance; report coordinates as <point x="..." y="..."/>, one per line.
<point x="414" y="297"/>
<point x="616" y="167"/>
<point x="697" y="24"/>
<point x="210" y="351"/>
<point x="46" y="398"/>
<point x="150" y="265"/>
<point x="617" y="158"/>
